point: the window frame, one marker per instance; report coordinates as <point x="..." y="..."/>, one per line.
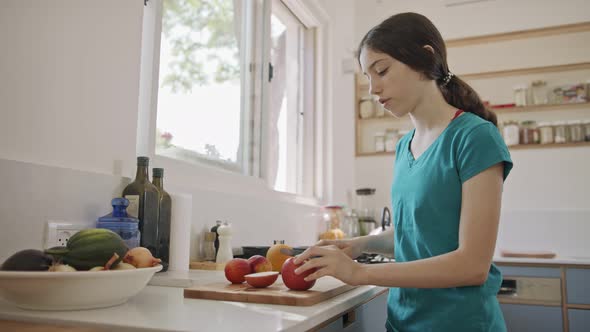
<point x="312" y="188"/>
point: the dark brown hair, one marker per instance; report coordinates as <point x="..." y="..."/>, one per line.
<point x="403" y="37"/>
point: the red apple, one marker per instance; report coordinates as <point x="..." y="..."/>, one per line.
<point x="259" y="264"/>
<point x="295" y="281"/>
<point x="262" y="279"/>
<point x="236" y="269"/>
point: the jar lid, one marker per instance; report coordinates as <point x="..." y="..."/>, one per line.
<point x="544" y="124"/>
<point x="574" y="122"/>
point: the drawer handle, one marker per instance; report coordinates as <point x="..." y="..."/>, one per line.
<point x="348" y="318"/>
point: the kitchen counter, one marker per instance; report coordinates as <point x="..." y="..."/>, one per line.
<point x="557" y="260"/>
<point x="161" y="308"/>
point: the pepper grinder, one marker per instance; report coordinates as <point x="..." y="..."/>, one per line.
<point x="224" y="254"/>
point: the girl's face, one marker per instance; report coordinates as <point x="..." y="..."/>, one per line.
<point x="398" y="87"/>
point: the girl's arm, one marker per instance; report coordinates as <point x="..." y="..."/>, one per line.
<point x="467" y="265"/>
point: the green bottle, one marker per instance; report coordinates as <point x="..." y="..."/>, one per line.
<point x="144" y="204"/>
<point x="163" y="218"/>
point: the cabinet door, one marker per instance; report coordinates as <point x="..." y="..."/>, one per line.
<point x="371" y="316"/>
<point x="577" y="286"/>
<point x="579" y="320"/>
<point x="521" y="317"/>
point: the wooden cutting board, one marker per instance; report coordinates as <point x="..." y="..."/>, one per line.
<point x="324" y="289"/>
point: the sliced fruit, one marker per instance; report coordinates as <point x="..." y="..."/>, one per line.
<point x="262" y="279"/>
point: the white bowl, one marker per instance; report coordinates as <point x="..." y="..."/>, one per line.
<point x="72" y="290"/>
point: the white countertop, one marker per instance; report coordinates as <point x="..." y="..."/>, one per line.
<point x="557" y="260"/>
<point x="165" y="309"/>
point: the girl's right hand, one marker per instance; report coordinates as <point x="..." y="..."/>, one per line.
<point x="351" y="247"/>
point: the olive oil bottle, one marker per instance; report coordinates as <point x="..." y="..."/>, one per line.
<point x="163" y="250"/>
<point x="144" y="199"/>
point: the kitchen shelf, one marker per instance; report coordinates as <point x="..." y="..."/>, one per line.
<point x="548" y="146"/>
<point x="513" y="147"/>
<point x="501" y="110"/>
<point x="522" y="34"/>
<point x="526" y="71"/>
<point x="374" y="154"/>
<point x="539" y="108"/>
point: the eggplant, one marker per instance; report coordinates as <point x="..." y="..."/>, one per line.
<point x="28" y="260"/>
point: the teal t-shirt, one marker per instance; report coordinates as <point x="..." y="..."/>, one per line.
<point x="426" y="202"/>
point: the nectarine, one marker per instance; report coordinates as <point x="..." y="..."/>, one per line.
<point x="295" y="281"/>
<point x="236" y="269"/>
<point x="262" y="279"/>
<point x="259" y="264"/>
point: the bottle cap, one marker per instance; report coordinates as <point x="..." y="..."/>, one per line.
<point x="158" y="172"/>
<point x="117" y="201"/>
<point x="143" y="161"/>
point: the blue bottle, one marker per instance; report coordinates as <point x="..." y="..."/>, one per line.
<point x="119" y="222"/>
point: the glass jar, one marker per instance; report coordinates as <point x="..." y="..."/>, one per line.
<point x="587" y="130"/>
<point x="366" y="108"/>
<point x="391" y="139"/>
<point x="510" y="133"/>
<point x="539" y="92"/>
<point x="560" y="132"/>
<point x="379" y="142"/>
<point x="545" y="133"/>
<point x="529" y="133"/>
<point x="520" y="95"/>
<point x="576" y="131"/>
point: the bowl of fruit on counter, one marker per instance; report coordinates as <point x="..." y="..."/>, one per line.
<point x="94" y="270"/>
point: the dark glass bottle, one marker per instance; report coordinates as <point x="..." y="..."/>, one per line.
<point x="214" y="230"/>
<point x="144" y="204"/>
<point x="163" y="219"/>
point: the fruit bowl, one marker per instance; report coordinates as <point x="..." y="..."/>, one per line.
<point x="72" y="290"/>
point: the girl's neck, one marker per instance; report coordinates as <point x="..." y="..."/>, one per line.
<point x="432" y="113"/>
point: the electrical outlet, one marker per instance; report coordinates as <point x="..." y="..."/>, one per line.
<point x="58" y="233"/>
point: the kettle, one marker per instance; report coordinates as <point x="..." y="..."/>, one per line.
<point x="385" y="222"/>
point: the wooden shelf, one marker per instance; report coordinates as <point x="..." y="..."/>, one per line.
<point x="540" y="108"/>
<point x="374" y="154"/>
<point x="506" y="110"/>
<point x="525" y="71"/>
<point x="548" y="146"/>
<point x="513" y="147"/>
<point x="522" y="34"/>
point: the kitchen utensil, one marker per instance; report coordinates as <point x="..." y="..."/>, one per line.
<point x="72" y="290"/>
<point x="385" y="222"/>
<point x="324" y="289"/>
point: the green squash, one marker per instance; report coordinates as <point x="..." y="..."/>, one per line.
<point x="89" y="248"/>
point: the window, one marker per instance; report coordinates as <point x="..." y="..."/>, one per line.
<point x="285" y="112"/>
<point x="230" y="89"/>
<point x="200" y="109"/>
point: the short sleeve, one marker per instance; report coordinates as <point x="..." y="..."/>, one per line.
<point x="480" y="149"/>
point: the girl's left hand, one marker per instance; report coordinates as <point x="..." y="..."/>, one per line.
<point x="330" y="261"/>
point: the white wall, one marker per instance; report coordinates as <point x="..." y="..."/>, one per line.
<point x="69" y="83"/>
<point x="339" y="121"/>
<point x="69" y="89"/>
<point x="477" y="18"/>
<point x="543" y="182"/>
